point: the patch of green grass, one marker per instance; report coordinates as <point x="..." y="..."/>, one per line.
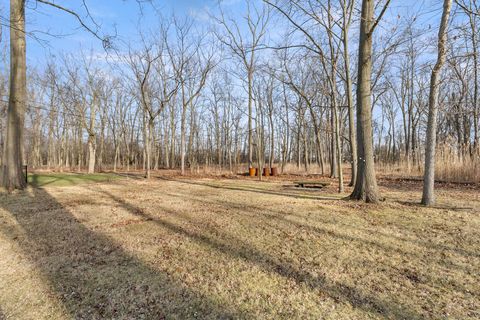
<point x="68" y="179"/>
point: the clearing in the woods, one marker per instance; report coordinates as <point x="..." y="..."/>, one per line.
<point x="236" y="248"/>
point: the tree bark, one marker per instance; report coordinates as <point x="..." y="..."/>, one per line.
<point x="183" y="131"/>
<point x="475" y="79"/>
<point x="366" y="185"/>
<point x="92" y="137"/>
<point x="250" y="101"/>
<point x="91" y="153"/>
<point x="428" y="196"/>
<point x="12" y="173"/>
<point x="351" y="118"/>
<point x="148" y="148"/>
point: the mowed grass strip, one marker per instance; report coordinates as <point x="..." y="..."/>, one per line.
<point x="68" y="179"/>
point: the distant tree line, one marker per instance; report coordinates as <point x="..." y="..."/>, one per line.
<point x="314" y="83"/>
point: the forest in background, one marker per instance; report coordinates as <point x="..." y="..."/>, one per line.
<point x="272" y="86"/>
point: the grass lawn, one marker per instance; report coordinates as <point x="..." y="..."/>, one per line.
<point x="67" y="179"/>
<point x="236" y="249"/>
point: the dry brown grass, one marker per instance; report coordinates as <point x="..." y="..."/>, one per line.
<point x="237" y="248"/>
<point x="450" y="166"/>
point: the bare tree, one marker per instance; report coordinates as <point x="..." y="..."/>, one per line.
<point x="245" y="47"/>
<point x="347" y="10"/>
<point x="157" y="84"/>
<point x="192" y="65"/>
<point x="428" y="196"/>
<point x="472" y="9"/>
<point x="366" y="185"/>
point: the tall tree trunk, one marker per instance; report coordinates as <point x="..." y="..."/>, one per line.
<point x="183" y="134"/>
<point x="92" y="138"/>
<point x="12" y="173"/>
<point x="428" y="196"/>
<point x="80" y="149"/>
<point x="91" y="153"/>
<point x="51" y="142"/>
<point x="173" y="132"/>
<point x="286" y="149"/>
<point x="36" y="139"/>
<point x="115" y="158"/>
<point x="336" y="113"/>
<point x="148" y="148"/>
<point x="250" y="101"/>
<point x="166" y="146"/>
<point x="102" y="144"/>
<point x="305" y="149"/>
<point x="338" y="148"/>
<point x="351" y="118"/>
<point x="333" y="153"/>
<point x="476" y="66"/>
<point x="193" y="129"/>
<point x="316" y="127"/>
<point x="366" y="185"/>
<point x="336" y="119"/>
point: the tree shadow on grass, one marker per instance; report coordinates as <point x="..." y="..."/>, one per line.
<point x="130" y="175"/>
<point x="236" y="248"/>
<point x="252" y="189"/>
<point x="424" y="243"/>
<point x="437" y="206"/>
<point x="93" y="276"/>
<point x="274" y="215"/>
<point x="2" y="315"/>
<point x="37" y="182"/>
<point x="257" y="213"/>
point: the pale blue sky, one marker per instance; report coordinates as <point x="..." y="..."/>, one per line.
<point x="120" y="17"/>
<point x="124" y="17"/>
